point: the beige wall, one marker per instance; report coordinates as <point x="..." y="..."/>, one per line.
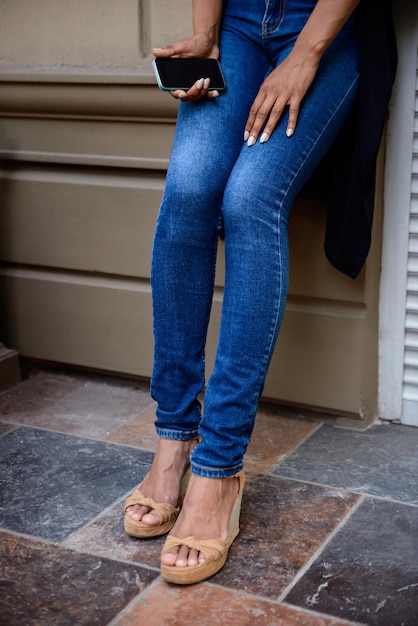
<point x="87" y="36"/>
<point x="58" y="34"/>
<point x="85" y="137"/>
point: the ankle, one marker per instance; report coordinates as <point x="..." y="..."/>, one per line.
<point x="173" y="452"/>
<point x="169" y="467"/>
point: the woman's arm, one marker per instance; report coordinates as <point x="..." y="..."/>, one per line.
<point x="204" y="43"/>
<point x="207" y="20"/>
<point x="288" y="83"/>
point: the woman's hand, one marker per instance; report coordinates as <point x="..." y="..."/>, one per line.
<point x="285" y="87"/>
<point x="199" y="46"/>
<point x="288" y="83"/>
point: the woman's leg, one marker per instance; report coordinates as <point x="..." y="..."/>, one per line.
<point x="208" y="140"/>
<point x="260" y="192"/>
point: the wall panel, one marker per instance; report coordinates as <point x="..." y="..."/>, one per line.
<point x="103" y="220"/>
<point x="85" y="139"/>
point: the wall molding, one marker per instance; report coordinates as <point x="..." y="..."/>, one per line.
<point x="64" y="100"/>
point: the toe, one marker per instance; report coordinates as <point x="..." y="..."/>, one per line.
<point x="151" y="518"/>
<point x="183" y="556"/>
<point x="134" y="512"/>
<point x="137" y="512"/>
<point x="169" y="557"/>
<point x="193" y="558"/>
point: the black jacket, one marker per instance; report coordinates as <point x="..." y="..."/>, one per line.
<point x="349" y="170"/>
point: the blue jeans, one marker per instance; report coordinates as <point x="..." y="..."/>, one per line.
<point x="215" y="178"/>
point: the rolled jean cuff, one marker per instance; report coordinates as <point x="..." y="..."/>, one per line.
<point x="211" y="472"/>
<point x="178" y="435"/>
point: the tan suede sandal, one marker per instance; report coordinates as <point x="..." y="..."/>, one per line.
<point x="215" y="551"/>
<point x="166" y="512"/>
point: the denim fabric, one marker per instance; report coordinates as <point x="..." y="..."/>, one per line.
<point x="214" y="176"/>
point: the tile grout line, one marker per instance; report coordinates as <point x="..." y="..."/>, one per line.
<point x="328" y="486"/>
<point x="61" y="544"/>
<point x="97" y="555"/>
<point x="296" y="447"/>
<point x="116" y="620"/>
<point x="342" y="621"/>
<point x="45" y="429"/>
<point x="119" y="500"/>
<point x="302" y="571"/>
<point x="260" y="598"/>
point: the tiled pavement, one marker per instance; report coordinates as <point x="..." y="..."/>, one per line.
<point x="329" y="524"/>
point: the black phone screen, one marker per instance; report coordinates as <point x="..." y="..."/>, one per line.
<point x="181" y="73"/>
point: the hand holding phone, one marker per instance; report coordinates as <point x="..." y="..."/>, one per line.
<point x="181" y="73"/>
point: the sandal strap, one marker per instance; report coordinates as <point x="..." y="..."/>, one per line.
<point x="165" y="511"/>
<point x="212" y="549"/>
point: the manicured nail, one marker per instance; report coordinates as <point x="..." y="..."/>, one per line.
<point x="264" y="137"/>
<point x="290" y="132"/>
<point x="181" y="95"/>
<point x="199" y="83"/>
<point x="206" y="83"/>
<point x="246" y="135"/>
<point x="251" y="141"/>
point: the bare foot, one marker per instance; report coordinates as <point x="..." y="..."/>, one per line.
<point x="205" y="515"/>
<point x="163" y="481"/>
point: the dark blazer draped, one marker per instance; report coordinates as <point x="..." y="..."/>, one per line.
<point x="348" y="172"/>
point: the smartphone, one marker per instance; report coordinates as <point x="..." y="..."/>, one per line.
<point x="181" y="73"/>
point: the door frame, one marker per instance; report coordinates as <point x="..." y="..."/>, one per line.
<point x="396" y="225"/>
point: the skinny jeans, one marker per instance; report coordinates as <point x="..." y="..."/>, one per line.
<point x="215" y="178"/>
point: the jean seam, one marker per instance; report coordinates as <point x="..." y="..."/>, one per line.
<point x="269" y="29"/>
<point x="215" y="472"/>
<point x="165" y="433"/>
<point x="347" y="93"/>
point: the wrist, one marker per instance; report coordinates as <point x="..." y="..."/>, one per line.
<point x="207" y="16"/>
<point x="309" y="50"/>
<point x="206" y="45"/>
<point x="208" y="33"/>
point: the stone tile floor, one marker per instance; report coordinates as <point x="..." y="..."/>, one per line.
<point x="329" y="523"/>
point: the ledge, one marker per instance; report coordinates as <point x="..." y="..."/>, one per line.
<point x="87" y="100"/>
<point x="140" y="74"/>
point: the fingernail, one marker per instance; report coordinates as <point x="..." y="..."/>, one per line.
<point x="206" y="83"/>
<point x="246" y="135"/>
<point x="251" y="141"/>
<point x="264" y="137"/>
<point x="181" y="95"/>
<point x="290" y="132"/>
<point x="214" y="93"/>
<point x="199" y="83"/>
